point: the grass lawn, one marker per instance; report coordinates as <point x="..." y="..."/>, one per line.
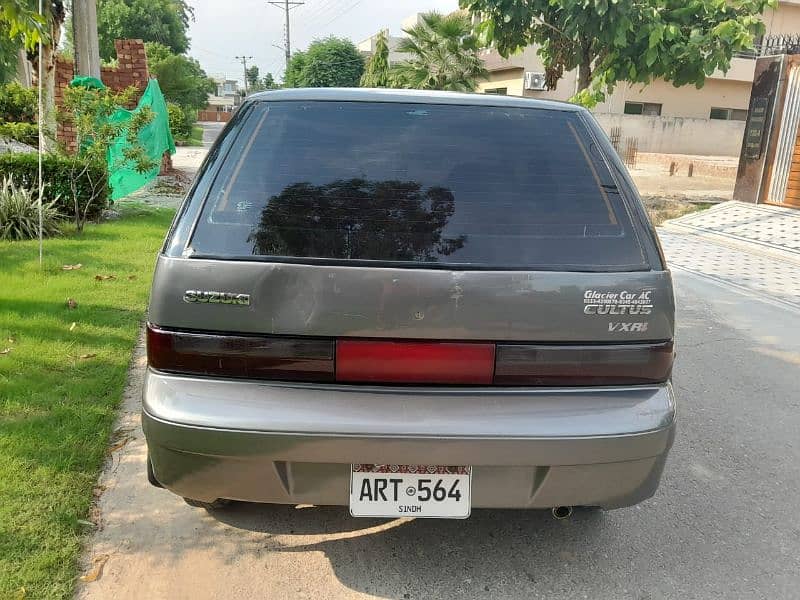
<point x="60" y="385"/>
<point x="196" y="139"/>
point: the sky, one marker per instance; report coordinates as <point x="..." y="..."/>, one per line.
<point x="224" y="29"/>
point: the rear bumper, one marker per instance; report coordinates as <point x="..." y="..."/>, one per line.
<point x="294" y="443"/>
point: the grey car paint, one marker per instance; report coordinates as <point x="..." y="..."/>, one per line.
<point x="297" y="299"/>
<point x="293" y="443"/>
<point x="210" y="438"/>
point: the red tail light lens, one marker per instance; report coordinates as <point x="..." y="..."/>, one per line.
<point x="256" y="357"/>
<point x="405" y="362"/>
<point x="522" y="364"/>
<point x="367" y="361"/>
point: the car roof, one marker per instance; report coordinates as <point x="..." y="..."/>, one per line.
<point x="409" y="96"/>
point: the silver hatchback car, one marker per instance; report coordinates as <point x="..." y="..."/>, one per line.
<point x="413" y="304"/>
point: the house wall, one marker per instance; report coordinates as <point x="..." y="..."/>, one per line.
<point x="677" y="135"/>
<point x="511" y="79"/>
<point x="685" y="101"/>
<point x="784" y="19"/>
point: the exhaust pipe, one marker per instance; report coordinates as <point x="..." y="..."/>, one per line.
<point x="561" y="512"/>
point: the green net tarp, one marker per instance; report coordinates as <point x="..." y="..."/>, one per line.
<point x="155" y="138"/>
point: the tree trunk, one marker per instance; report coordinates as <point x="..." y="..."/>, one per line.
<point x="24" y="69"/>
<point x="49" y="85"/>
<point x="84" y="33"/>
<point x="584" y="72"/>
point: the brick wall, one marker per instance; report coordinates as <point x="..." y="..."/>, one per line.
<point x="131" y="71"/>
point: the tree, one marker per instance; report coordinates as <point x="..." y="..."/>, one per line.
<point x="444" y="55"/>
<point x="376" y="73"/>
<point x="293" y="75"/>
<point x="19" y="18"/>
<point x="183" y="81"/>
<point x="332" y="62"/>
<point x="255" y="83"/>
<point x="90" y="110"/>
<point x="162" y="21"/>
<point x="8" y="54"/>
<point x="681" y="41"/>
<point x="253" y="80"/>
<point x="156" y="53"/>
<point x="269" y="83"/>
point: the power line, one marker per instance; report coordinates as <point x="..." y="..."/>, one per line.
<point x="324" y="10"/>
<point x="344" y="12"/>
<point x="287" y="6"/>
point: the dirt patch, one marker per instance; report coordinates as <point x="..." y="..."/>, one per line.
<point x="663" y="209"/>
<point x="712" y="180"/>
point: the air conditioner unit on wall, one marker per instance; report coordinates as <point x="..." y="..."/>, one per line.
<point x="535" y="81"/>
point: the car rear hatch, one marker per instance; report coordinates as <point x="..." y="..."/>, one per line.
<point x="408" y="243"/>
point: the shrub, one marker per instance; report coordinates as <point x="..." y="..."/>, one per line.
<point x="27" y="133"/>
<point x="58" y="172"/>
<point x="180" y="120"/>
<point x="19" y="213"/>
<point x="102" y="139"/>
<point x="17" y="104"/>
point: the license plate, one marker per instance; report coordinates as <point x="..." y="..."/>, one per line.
<point x="410" y="491"/>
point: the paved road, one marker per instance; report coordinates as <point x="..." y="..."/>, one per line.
<point x="723" y="525"/>
<point x="210" y="132"/>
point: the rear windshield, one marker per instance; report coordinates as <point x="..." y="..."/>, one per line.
<point x="417" y="185"/>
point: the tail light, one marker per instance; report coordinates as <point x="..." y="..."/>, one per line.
<point x="255" y="357"/>
<point x="520" y="364"/>
<point x="406" y="362"/>
<point x="414" y="362"/>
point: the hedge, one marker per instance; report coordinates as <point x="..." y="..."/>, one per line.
<point x="57" y="173"/>
<point x="17" y="104"/>
<point x="27" y="133"/>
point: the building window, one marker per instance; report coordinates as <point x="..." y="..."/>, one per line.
<point x="728" y="114"/>
<point x="648" y="109"/>
<point x="497" y="91"/>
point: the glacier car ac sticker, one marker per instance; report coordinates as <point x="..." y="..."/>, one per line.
<point x="617" y="303"/>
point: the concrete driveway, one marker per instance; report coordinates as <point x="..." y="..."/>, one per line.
<point x="723" y="525"/>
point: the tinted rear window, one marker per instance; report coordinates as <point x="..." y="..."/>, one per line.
<point x="417" y="184"/>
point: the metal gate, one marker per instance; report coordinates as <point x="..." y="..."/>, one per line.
<point x="784" y="187"/>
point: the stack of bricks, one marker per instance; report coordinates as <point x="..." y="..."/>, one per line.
<point x="65" y="130"/>
<point x="131" y="70"/>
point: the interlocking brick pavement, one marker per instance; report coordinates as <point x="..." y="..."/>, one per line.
<point x="756" y="248"/>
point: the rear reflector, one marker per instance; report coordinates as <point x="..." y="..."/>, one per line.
<point x="521" y="364"/>
<point x="365" y="361"/>
<point x="256" y="357"/>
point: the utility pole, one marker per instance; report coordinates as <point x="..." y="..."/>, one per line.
<point x="85" y="43"/>
<point x="286" y="5"/>
<point x="244" y="60"/>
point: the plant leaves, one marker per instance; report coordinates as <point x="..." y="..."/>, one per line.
<point x="96" y="572"/>
<point x="87" y="356"/>
<point x="71" y="267"/>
